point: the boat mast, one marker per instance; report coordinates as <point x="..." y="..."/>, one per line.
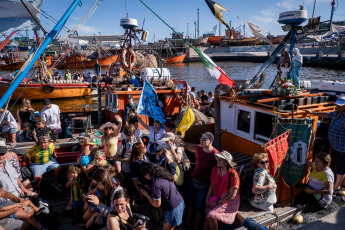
<point x="332" y="12"/>
<point x="198" y="24"/>
<point x="40" y="50"/>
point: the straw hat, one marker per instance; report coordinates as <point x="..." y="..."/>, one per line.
<point x="108" y="124"/>
<point x="226" y="156"/>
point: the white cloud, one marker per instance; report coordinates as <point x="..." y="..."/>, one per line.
<point x="86" y="30"/>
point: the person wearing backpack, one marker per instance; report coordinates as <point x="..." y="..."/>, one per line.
<point x="223" y="198"/>
<point x="164" y="194"/>
<point x="123" y="155"/>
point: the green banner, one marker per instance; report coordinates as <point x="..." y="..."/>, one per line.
<point x="298" y="147"/>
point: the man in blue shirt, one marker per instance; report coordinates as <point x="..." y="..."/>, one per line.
<point x="336" y="138"/>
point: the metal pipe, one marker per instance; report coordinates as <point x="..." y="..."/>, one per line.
<point x="40" y="50"/>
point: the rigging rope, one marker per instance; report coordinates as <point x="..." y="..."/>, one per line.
<point x="147" y="3"/>
<point x="84" y="19"/>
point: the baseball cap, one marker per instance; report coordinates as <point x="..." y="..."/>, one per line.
<point x="169" y="136"/>
<point x="340" y="101"/>
<point x="46" y="102"/>
<point x="159" y="145"/>
<point x="208" y="135"/>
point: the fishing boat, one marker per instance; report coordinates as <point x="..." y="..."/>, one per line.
<point x="179" y="58"/>
<point x="78" y="61"/>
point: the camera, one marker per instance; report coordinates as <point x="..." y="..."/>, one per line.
<point x="142" y="219"/>
<point x="142" y="186"/>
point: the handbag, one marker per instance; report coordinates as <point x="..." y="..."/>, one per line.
<point x="215" y="198"/>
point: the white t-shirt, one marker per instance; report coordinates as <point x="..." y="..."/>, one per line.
<point x="8" y="118"/>
<point x="154" y="137"/>
<point x="210" y="99"/>
<point x="192" y="95"/>
<point x="285" y="72"/>
<point x="52" y="117"/>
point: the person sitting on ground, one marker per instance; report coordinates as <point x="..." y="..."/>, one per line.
<point x="26" y="114"/>
<point x="17" y="208"/>
<point x="205" y="161"/>
<point x="164" y="193"/>
<point x="156" y="133"/>
<point x="223" y="198"/>
<point x="264" y="185"/>
<point x="10" y="178"/>
<point x="43" y="158"/>
<point x="138" y="134"/>
<point x="130" y="108"/>
<point x="12" y="158"/>
<point x="75" y="183"/>
<point x="110" y="136"/>
<point x="9" y="126"/>
<point x="319" y="190"/>
<point x="121" y="218"/>
<point x="51" y="115"/>
<point x="107" y="186"/>
<point x="43" y="130"/>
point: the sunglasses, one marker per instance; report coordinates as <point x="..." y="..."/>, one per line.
<point x="108" y="128"/>
<point x="264" y="162"/>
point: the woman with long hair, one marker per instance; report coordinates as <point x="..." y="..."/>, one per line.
<point x="138" y="157"/>
<point x="121" y="218"/>
<point x="110" y="136"/>
<point x="264" y="185"/>
<point x="164" y="193"/>
<point x="223" y="198"/>
<point x="24" y="113"/>
<point x="106" y="189"/>
<point x="164" y="158"/>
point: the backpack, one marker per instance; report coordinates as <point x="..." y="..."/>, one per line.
<point x="246" y="186"/>
<point x="179" y="174"/>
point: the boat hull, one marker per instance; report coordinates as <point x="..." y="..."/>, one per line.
<point x="176" y="59"/>
<point x="36" y="91"/>
<point x="78" y="63"/>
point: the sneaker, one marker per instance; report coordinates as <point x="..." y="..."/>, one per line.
<point x="39" y="211"/>
<point x="57" y="187"/>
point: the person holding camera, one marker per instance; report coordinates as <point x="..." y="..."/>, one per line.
<point x="121" y="217"/>
<point x="164" y="193"/>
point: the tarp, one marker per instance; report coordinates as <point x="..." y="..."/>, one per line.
<point x="256" y="32"/>
<point x="298" y="147"/>
<point x="186" y="122"/>
<point x="14" y="16"/>
<point x="277" y="150"/>
<point x="148" y="103"/>
<point x="334" y="33"/>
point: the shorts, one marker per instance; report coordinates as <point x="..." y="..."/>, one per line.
<point x="57" y="130"/>
<point x="38" y="169"/>
<point x="197" y="195"/>
<point x="174" y="217"/>
<point x="11" y="131"/>
<point x="339" y="162"/>
<point x="14" y="215"/>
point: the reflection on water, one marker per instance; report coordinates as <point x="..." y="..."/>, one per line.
<point x="196" y="75"/>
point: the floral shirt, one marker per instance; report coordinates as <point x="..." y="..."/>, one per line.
<point x="266" y="199"/>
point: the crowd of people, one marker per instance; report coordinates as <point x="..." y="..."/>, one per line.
<point x="118" y="186"/>
<point x="199" y="100"/>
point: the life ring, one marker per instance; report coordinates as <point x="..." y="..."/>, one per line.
<point x="93" y="86"/>
<point x="132" y="58"/>
<point x="48" y="88"/>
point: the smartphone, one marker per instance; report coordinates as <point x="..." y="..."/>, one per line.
<point x="85" y="195"/>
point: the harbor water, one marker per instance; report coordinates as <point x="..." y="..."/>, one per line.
<point x="196" y="75"/>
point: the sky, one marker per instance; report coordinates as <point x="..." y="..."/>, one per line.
<point x="181" y="14"/>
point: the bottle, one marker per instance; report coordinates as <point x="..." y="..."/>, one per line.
<point x="133" y="80"/>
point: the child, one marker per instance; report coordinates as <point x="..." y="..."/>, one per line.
<point x="210" y="97"/>
<point x="76" y="185"/>
<point x="43" y="130"/>
<point x="25" y="135"/>
<point x="99" y="159"/>
<point x="285" y="70"/>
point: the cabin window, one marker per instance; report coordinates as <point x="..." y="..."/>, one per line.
<point x="243" y="120"/>
<point x="110" y="101"/>
<point x="263" y="127"/>
<point x="106" y="99"/>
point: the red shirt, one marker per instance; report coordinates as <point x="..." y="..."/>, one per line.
<point x="204" y="165"/>
<point x="216" y="181"/>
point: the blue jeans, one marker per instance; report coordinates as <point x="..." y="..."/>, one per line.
<point x="197" y="195"/>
